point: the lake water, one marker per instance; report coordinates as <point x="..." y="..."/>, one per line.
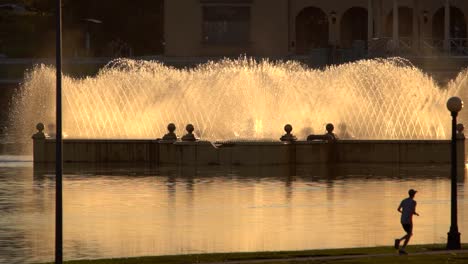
<point x="120" y="211"/>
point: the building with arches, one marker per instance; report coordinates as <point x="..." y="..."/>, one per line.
<point x="278" y="28"/>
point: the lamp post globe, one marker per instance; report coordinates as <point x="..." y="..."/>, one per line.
<point x="454" y="105"/>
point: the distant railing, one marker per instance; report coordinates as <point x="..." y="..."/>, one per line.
<point x="426" y="47"/>
<point x="384" y="47"/>
<point x="458" y="47"/>
<point x="405" y="45"/>
<point x="379" y="47"/>
<point x="432" y="47"/>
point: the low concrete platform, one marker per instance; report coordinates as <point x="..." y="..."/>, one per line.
<point x="204" y="153"/>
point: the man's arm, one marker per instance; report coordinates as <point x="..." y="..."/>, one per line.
<point x="399" y="208"/>
<point x="415" y="209"/>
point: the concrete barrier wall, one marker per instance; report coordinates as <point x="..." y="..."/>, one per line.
<point x="402" y="151"/>
<point x="95" y="151"/>
<point x="249" y="153"/>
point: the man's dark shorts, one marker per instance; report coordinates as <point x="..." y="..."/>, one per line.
<point x="408" y="228"/>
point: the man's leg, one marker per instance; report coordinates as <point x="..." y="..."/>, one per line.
<point x="397" y="244"/>
<point x="407" y="239"/>
<point x="398" y="241"/>
<point x="409" y="232"/>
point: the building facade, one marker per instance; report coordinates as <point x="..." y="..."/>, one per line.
<point x="277" y="28"/>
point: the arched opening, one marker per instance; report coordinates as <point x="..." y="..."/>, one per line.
<point x="457" y="24"/>
<point x="405" y="22"/>
<point x="311" y="30"/>
<point x="353" y="26"/>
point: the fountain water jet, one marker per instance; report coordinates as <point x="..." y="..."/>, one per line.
<point x="240" y="99"/>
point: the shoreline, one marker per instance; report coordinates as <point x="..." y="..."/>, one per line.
<point x="386" y="254"/>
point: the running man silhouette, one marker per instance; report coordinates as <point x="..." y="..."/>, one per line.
<point x="407" y="209"/>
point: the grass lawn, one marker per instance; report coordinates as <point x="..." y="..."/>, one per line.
<point x="429" y="259"/>
<point x="221" y="257"/>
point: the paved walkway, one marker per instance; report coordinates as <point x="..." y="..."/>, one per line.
<point x="299" y="259"/>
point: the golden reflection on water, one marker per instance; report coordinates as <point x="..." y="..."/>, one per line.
<point x="194" y="210"/>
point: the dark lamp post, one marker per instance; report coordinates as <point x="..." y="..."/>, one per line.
<point x="58" y="137"/>
<point x="454" y="105"/>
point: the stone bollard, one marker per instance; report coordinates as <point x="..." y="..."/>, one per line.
<point x="189" y="136"/>
<point x="40" y="134"/>
<point x="291" y="150"/>
<point x="332" y="148"/>
<point x="171" y="136"/>
<point x="288" y="136"/>
<point x="39" y="144"/>
<point x="166" y="147"/>
<point x="331" y="136"/>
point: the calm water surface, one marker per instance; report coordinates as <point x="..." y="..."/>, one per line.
<point x="118" y="211"/>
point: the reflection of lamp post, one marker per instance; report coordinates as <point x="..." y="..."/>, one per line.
<point x="454" y="105"/>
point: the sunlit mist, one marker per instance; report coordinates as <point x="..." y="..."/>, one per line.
<point x="239" y="99"/>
